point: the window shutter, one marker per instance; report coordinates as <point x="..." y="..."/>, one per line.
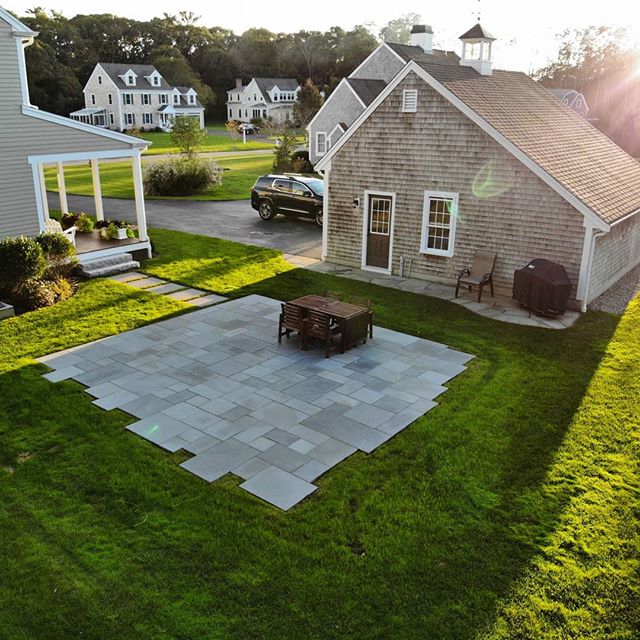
<point x="409" y="101"/>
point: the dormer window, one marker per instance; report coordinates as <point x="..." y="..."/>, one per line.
<point x="192" y="99"/>
<point x="176" y="98"/>
<point x="156" y="81"/>
<point x="131" y="80"/>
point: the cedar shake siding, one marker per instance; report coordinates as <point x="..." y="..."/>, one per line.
<point x="383" y="65"/>
<point x="440" y="149"/>
<point x="342" y="106"/>
<point x="616" y="253"/>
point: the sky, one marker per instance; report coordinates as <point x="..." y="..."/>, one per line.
<point x="526" y="32"/>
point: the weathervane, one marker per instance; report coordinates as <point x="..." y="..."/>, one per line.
<point x="479" y="9"/>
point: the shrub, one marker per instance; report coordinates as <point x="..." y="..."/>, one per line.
<point x="21" y="259"/>
<point x="59" y="252"/>
<point x="61" y="288"/>
<point x="181" y="177"/>
<point x="84" y="223"/>
<point x="33" y="294"/>
<point x="187" y="135"/>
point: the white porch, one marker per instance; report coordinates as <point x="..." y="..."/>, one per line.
<point x="91" y="246"/>
<point x="96" y="116"/>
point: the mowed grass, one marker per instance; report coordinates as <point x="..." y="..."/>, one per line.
<point x="116" y="179"/>
<point x="162" y="144"/>
<point x="508" y="511"/>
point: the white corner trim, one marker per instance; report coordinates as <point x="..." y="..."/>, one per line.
<point x="585" y="262"/>
<point x="19" y="28"/>
<point x="37" y="191"/>
<point x="413" y="67"/>
<point x="81" y="126"/>
<point x="22" y="71"/>
<point x="365" y="228"/>
<point x="325" y="216"/>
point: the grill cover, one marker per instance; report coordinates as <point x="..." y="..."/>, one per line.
<point x="543" y="286"/>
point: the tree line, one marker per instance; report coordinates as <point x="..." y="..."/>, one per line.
<point x="208" y="58"/>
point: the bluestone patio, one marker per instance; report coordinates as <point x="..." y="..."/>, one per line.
<point x="216" y="384"/>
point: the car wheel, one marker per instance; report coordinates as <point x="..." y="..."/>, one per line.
<point x="265" y="210"/>
<point x="318" y="216"/>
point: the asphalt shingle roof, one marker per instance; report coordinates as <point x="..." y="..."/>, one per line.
<point x="284" y="84"/>
<point x="367" y="90"/>
<point x="114" y="70"/>
<point x="558" y="140"/>
<point x="410" y="52"/>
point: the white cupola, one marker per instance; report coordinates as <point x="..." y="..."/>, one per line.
<point x="422" y="36"/>
<point x="476" y="49"/>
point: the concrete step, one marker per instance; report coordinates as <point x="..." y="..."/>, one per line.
<point x="108" y="266"/>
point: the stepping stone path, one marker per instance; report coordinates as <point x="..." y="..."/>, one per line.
<point x="195" y="297"/>
<point x="216" y="384"/>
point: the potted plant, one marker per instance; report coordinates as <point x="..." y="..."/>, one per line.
<point x="119" y="230"/>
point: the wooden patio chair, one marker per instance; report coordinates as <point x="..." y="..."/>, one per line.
<point x="292" y="318"/>
<point x="53" y="226"/>
<point x="318" y="325"/>
<point x="480" y="273"/>
<point x="333" y="295"/>
<point x="361" y="301"/>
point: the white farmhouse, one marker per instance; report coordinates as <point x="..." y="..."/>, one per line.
<point x="135" y="96"/>
<point x="263" y="98"/>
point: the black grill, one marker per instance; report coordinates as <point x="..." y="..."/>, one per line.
<point x="542" y="286"/>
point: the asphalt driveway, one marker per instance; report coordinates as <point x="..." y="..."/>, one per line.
<point x="233" y="220"/>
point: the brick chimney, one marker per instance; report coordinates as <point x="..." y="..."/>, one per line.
<point x="238" y="83"/>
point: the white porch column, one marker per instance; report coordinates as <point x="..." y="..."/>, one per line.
<point x="138" y="189"/>
<point x="62" y="189"/>
<point x="43" y="191"/>
<point x="97" y="189"/>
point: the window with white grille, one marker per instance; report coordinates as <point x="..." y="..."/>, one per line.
<point x="409" y="101"/>
<point x="439" y="223"/>
<point x="321" y="143"/>
<point x="147" y="118"/>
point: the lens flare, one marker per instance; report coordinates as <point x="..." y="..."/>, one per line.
<point x="492" y="180"/>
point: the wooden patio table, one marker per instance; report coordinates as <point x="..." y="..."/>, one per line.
<point x="352" y="318"/>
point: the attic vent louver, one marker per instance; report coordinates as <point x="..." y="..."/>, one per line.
<point x="409" y="101"/>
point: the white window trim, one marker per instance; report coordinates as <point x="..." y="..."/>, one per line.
<point x="428" y="195"/>
<point x="147" y="118"/>
<point x="127" y="117"/>
<point x="318" y="134"/>
<point x="405" y="94"/>
<point x="365" y="226"/>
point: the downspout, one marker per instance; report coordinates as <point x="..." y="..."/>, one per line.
<point x="594" y="234"/>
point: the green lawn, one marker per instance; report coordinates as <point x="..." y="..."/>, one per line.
<point x="213" y="142"/>
<point x="117" y="181"/>
<point x="510" y="511"/>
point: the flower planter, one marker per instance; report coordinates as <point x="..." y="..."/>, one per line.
<point x="122" y="234"/>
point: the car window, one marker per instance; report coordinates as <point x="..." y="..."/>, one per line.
<point x="282" y="185"/>
<point x="299" y="189"/>
<point x="317" y="186"/>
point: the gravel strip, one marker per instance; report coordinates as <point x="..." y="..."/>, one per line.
<point x="616" y="299"/>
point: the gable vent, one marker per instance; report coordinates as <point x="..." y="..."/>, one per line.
<point x="409" y="100"/>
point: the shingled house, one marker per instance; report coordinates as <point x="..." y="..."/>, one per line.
<point x="449" y="159"/>
<point x="263" y="98"/>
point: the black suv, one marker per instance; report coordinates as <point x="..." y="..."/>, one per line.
<point x="297" y="195"/>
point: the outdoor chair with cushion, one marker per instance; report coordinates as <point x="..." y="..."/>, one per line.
<point x="361" y="301"/>
<point x="53" y="226"/>
<point x="480" y="273"/>
<point x="292" y="318"/>
<point x="319" y="326"/>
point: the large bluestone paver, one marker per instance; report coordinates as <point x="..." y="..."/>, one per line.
<point x="217" y="384"/>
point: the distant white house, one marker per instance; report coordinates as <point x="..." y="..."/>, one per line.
<point x="135" y="96"/>
<point x="263" y="98"/>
